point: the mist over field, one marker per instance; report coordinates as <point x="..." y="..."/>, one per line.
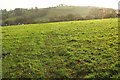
<point x="55" y="14"/>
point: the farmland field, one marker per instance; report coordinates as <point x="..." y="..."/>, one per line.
<point x="74" y="49"/>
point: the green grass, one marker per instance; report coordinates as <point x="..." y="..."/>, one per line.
<point x="74" y="49"/>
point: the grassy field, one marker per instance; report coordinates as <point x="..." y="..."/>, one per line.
<point x="74" y="49"/>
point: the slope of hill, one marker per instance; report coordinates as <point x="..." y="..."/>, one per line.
<point x="60" y="13"/>
<point x="66" y="10"/>
<point x="74" y="49"/>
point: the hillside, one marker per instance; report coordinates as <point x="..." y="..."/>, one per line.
<point x="74" y="49"/>
<point x="55" y="14"/>
<point x="65" y="10"/>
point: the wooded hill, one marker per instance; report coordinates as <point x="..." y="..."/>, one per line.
<point x="55" y="14"/>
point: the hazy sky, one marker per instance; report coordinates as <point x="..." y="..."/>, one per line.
<point x="12" y="4"/>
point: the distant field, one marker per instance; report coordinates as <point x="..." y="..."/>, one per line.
<point x="74" y="49"/>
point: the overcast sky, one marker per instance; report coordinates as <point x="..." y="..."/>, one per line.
<point x="12" y="4"/>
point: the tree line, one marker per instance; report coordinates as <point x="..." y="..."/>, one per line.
<point x="94" y="13"/>
<point x="29" y="16"/>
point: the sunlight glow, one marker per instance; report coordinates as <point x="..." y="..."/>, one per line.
<point x="12" y="4"/>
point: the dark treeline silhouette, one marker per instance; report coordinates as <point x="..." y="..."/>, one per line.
<point x="30" y="16"/>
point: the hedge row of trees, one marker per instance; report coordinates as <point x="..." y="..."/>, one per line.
<point x="24" y="16"/>
<point x="28" y="16"/>
<point x="93" y="14"/>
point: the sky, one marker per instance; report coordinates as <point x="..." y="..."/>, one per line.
<point x="12" y="4"/>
